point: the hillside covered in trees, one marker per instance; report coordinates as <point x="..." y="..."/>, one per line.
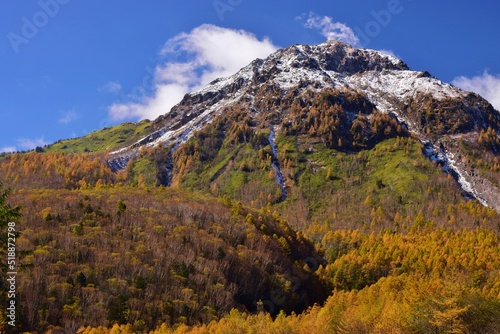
<point x="251" y="208"/>
<point x="374" y="240"/>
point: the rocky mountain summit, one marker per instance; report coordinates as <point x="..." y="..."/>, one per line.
<point x="363" y="81"/>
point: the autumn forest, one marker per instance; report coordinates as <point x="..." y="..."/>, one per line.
<point x="371" y="237"/>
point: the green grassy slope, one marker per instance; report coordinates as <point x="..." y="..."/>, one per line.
<point x="104" y="140"/>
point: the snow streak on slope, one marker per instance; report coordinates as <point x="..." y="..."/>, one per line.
<point x="275" y="164"/>
<point x="173" y="134"/>
<point x="446" y="159"/>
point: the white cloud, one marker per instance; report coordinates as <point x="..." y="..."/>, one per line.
<point x="30" y="144"/>
<point x="111" y="87"/>
<point x="206" y="53"/>
<point x="8" y="149"/>
<point x="330" y="29"/>
<point x="24" y="144"/>
<point x="165" y="97"/>
<point x="68" y="117"/>
<point x="486" y="85"/>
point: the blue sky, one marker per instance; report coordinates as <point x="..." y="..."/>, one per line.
<point x="68" y="67"/>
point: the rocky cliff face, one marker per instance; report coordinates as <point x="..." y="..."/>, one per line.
<point x="437" y="113"/>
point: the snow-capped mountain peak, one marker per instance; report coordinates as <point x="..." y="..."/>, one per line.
<point x="385" y="81"/>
